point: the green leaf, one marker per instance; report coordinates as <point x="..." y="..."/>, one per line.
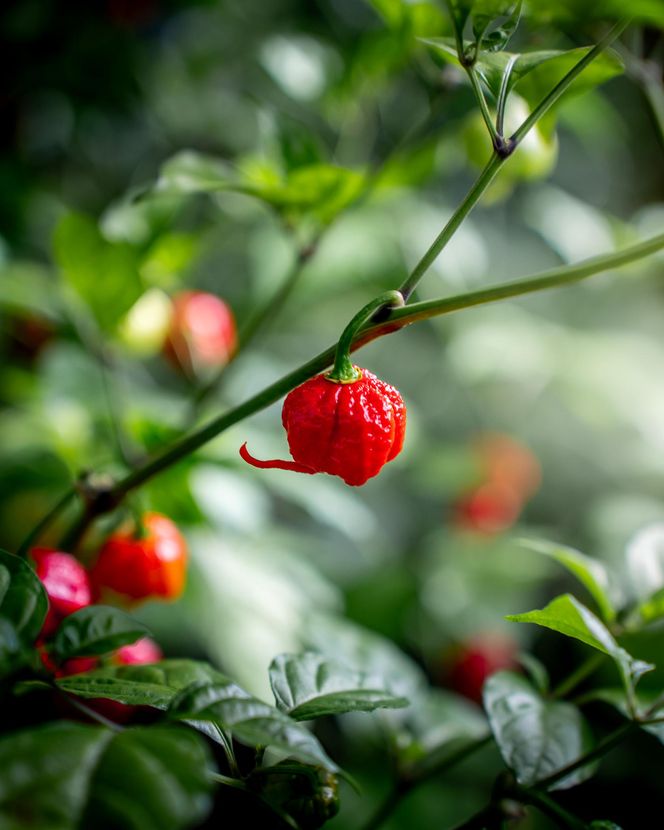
<point x="536" y="737"/>
<point x="535" y="74"/>
<point x="62" y="776"/>
<point x="645" y="702"/>
<point x="249" y="720"/>
<point x="151" y="778"/>
<point x="154" y="685"/>
<point x="309" y="686"/>
<point x="438" y="726"/>
<point x="103" y="274"/>
<point x="46" y="774"/>
<point x="23" y="600"/>
<point x="568" y="616"/>
<point x="577" y="12"/>
<point x="11" y="648"/>
<point x="591" y="573"/>
<point x="489" y="33"/>
<point x="97" y="629"/>
<point x="365" y="651"/>
<point x="192" y="172"/>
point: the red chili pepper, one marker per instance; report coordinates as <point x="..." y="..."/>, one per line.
<point x="139" y="653"/>
<point x="140" y="566"/>
<point x="66" y="583"/>
<point x="348" y="430"/>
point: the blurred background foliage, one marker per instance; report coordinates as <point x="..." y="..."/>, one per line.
<point x="352" y="133"/>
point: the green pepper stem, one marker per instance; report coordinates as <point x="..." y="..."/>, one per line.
<point x="343" y="370"/>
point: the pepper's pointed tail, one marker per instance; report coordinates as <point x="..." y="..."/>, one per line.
<point x="274" y="464"/>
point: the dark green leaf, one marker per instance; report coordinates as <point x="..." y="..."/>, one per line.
<point x="309" y="686"/>
<point x="95" y="630"/>
<point x="249" y="720"/>
<point x="103" y="274"/>
<point x="154" y="685"/>
<point x="46" y="775"/>
<point x="63" y="776"/>
<point x="23" y="601"/>
<point x="11" y="648"/>
<point x="438" y="726"/>
<point x="591" y="573"/>
<point x="536" y="737"/>
<point x="568" y="616"/>
<point x="153" y="778"/>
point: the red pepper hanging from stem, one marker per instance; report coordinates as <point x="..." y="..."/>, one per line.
<point x="347" y="422"/>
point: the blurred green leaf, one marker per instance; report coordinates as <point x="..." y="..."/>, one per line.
<point x="309" y="686"/>
<point x="27" y="287"/>
<point x="151" y="778"/>
<point x="46" y="774"/>
<point x="536" y="737"/>
<point x="438" y="726"/>
<point x="568" y="616"/>
<point x="103" y="274"/>
<point x="154" y="685"/>
<point x="645" y="568"/>
<point x="590" y="572"/>
<point x="192" y="172"/>
<point x="23" y="601"/>
<point x="95" y="630"/>
<point x="581" y="11"/>
<point x="249" y="720"/>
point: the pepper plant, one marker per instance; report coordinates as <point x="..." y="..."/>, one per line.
<point x="98" y="730"/>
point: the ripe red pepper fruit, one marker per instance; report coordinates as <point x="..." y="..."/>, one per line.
<point x="202" y="334"/>
<point x="346" y="430"/>
<point x="143" y="565"/>
<point x="139" y="653"/>
<point x="346" y="423"/>
<point x="66" y="583"/>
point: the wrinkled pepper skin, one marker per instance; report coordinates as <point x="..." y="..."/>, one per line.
<point x="350" y="430"/>
<point x="151" y="565"/>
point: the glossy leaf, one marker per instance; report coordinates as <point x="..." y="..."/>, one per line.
<point x="95" y="630"/>
<point x="568" y="616"/>
<point x="365" y="651"/>
<point x="63" y="775"/>
<point x="151" y="778"/>
<point x="536" y="736"/>
<point x="23" y="600"/>
<point x="488" y="13"/>
<point x="154" y="685"/>
<point x="103" y="274"/>
<point x="309" y="686"/>
<point x="590" y="572"/>
<point x="249" y="720"/>
<point x="11" y="648"/>
<point x="437" y="727"/>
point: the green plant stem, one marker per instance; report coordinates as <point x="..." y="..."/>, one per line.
<point x="472" y="198"/>
<point x="404" y="786"/>
<point x="545" y="804"/>
<point x="397" y="319"/>
<point x="227" y="781"/>
<point x="599" y="751"/>
<point x="563" y="85"/>
<point x="495" y="163"/>
<point x="481" y="100"/>
<point x="502" y="96"/>
<point x="48" y="519"/>
<point x="343" y="370"/>
<point x="582" y="672"/>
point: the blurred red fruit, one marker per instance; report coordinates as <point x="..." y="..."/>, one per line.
<point x="489" y="509"/>
<point x="202" y="334"/>
<point x="143" y="566"/>
<point x="476" y="660"/>
<point x="28" y="336"/>
<point x="142" y="651"/>
<point x="66" y="583"/>
<point x="510" y="463"/>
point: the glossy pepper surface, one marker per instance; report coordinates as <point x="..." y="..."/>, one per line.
<point x="348" y="430"/>
<point x="66" y="583"/>
<point x="142" y="565"/>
